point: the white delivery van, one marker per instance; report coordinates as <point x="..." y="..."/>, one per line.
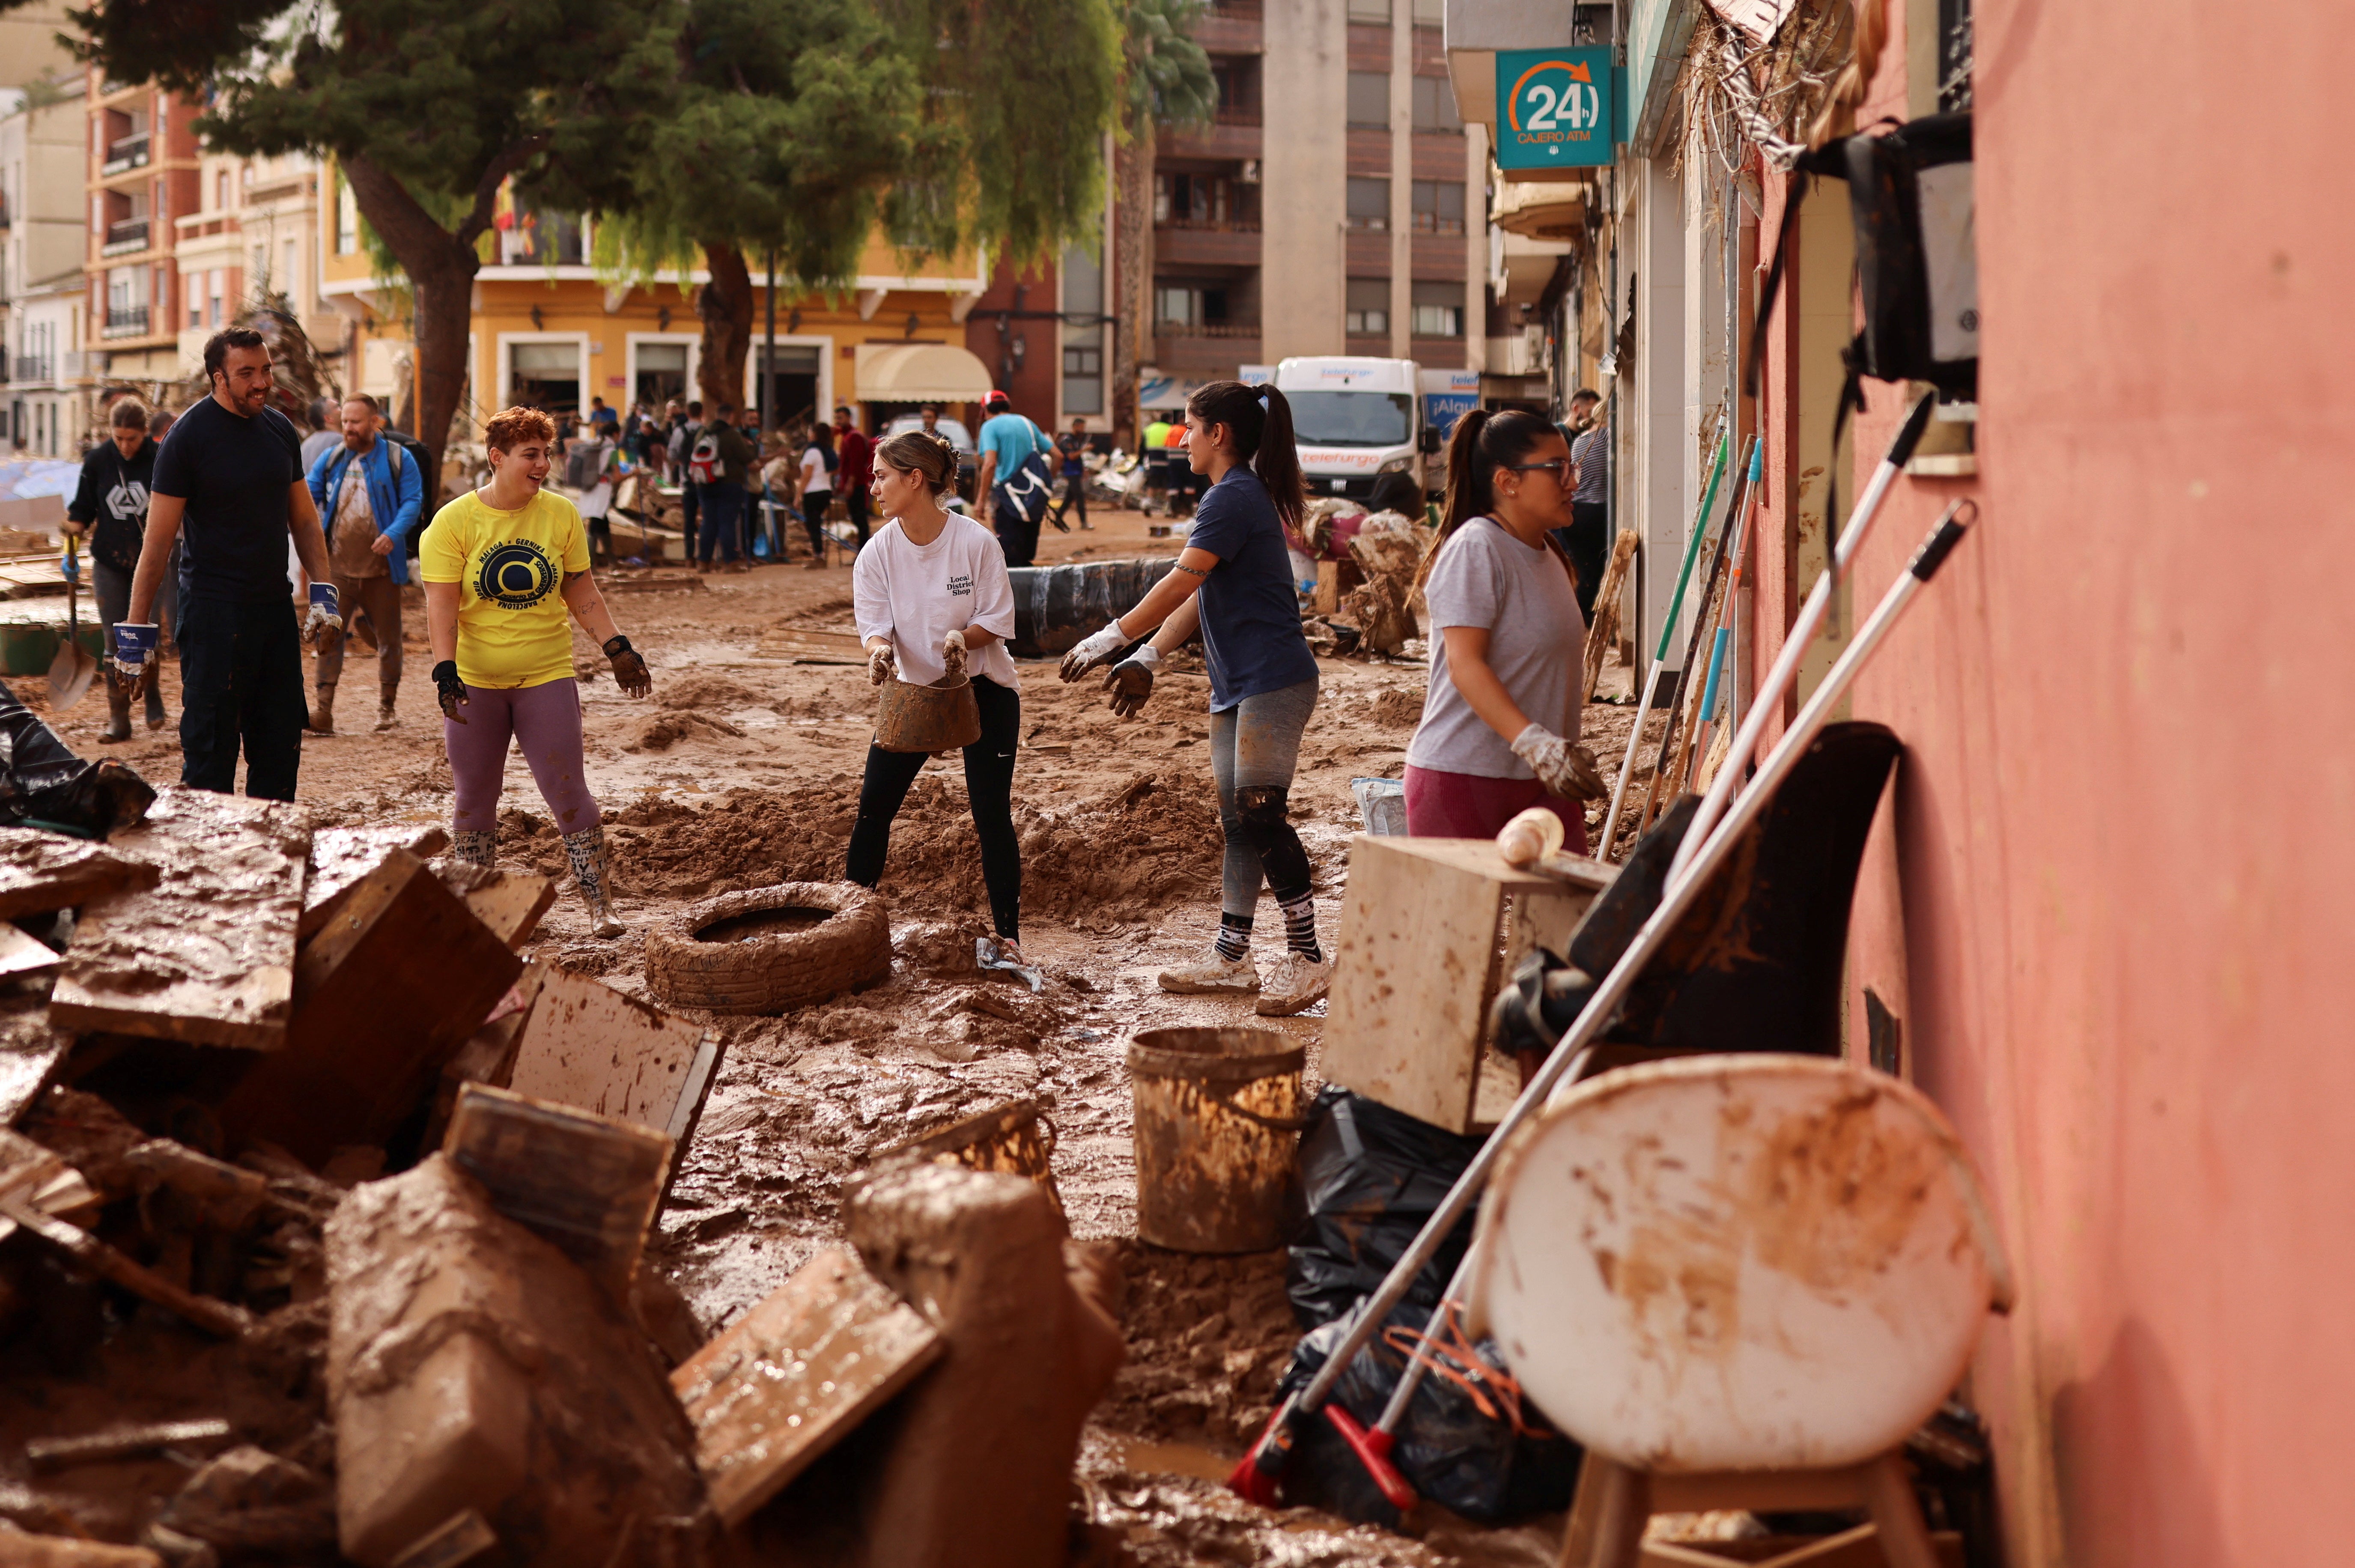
<point x="1356" y="420"/>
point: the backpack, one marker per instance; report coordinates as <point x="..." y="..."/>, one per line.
<point x="704" y="466"/>
<point x="583" y="464"/>
<point x="1030" y="487"/>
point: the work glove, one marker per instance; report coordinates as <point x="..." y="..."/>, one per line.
<point x="953" y="654"/>
<point x="131" y="668"/>
<point x="1565" y="770"/>
<point x="629" y="668"/>
<point x="1130" y="682"/>
<point x="323" y="617"/>
<point x="1094" y="651"/>
<point x="880" y="665"/>
<point x="450" y="690"/>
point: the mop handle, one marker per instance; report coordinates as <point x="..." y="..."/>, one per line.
<point x="1604" y="1003"/>
<point x="1671" y="731"/>
<point x="1786" y="670"/>
<point x="1733" y="578"/>
<point x="1600" y="849"/>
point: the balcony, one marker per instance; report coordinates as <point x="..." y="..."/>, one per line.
<point x="1248" y="114"/>
<point x="125" y="237"/>
<point x="1206" y="329"/>
<point x="1188" y="242"/>
<point x="1224" y="140"/>
<point x="34" y="368"/>
<point x="128" y="153"/>
<point x="1231" y="28"/>
<point x="127" y="321"/>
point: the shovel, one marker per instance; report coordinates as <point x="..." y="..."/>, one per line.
<point x="71" y="671"/>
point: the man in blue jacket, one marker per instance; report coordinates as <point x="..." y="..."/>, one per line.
<point x="370" y="494"/>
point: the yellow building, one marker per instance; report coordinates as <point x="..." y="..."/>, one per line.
<point x="547" y="332"/>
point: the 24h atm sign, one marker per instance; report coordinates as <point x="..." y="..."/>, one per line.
<point x="1553" y="108"/>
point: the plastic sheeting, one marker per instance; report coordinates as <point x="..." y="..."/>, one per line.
<point x="44" y="783"/>
<point x="1370" y="1177"/>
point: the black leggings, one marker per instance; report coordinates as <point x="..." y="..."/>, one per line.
<point x="988" y="783"/>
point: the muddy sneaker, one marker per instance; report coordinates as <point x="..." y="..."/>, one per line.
<point x="1214" y="977"/>
<point x="1297" y="985"/>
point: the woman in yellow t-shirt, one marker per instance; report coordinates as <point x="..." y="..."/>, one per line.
<point x="503" y="567"/>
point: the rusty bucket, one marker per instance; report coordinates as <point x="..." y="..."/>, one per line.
<point x="941" y="717"/>
<point x="1218" y="1137"/>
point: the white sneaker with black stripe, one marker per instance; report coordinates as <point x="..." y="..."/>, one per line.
<point x="1297" y="983"/>
<point x="1214" y="977"/>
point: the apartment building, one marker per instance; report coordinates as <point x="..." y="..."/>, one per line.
<point x="1335" y="205"/>
<point x="144" y="169"/>
<point x="253" y="233"/>
<point x="41" y="216"/>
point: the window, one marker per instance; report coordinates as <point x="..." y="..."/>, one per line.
<point x="1438" y="207"/>
<point x="1082" y="379"/>
<point x="1205" y="202"/>
<point x="661" y="372"/>
<point x="1434" y="105"/>
<point x="1439" y="309"/>
<point x="1370" y="100"/>
<point x="546" y="376"/>
<point x="1377" y="11"/>
<point x="195" y="290"/>
<point x="1430" y="13"/>
<point x="1238" y="80"/>
<point x="1182" y="306"/>
<point x="293" y="286"/>
<point x="216" y="282"/>
<point x="1369" y="203"/>
<point x="1082" y="284"/>
<point x="347" y="218"/>
<point x="220" y="191"/>
<point x="1369" y="307"/>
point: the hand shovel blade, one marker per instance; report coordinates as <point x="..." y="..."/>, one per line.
<point x="71" y="674"/>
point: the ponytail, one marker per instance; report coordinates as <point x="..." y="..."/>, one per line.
<point x="1482" y="443"/>
<point x="1262" y="421"/>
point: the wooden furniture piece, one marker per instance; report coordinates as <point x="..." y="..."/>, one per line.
<point x="1740" y="1281"/>
<point x="1431" y="929"/>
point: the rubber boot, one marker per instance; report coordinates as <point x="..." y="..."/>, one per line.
<point x="156" y="701"/>
<point x="586" y="850"/>
<point x="323" y="711"/>
<point x="476" y="845"/>
<point x="385" y="716"/>
<point x="118" y="713"/>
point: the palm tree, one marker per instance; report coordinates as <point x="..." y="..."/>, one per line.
<point x="1165" y="80"/>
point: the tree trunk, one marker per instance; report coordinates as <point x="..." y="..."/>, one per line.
<point x="1131" y="242"/>
<point x="725" y="307"/>
<point x="441" y="268"/>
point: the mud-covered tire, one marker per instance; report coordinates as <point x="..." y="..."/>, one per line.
<point x="850" y="948"/>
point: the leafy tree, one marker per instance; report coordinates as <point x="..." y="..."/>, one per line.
<point x="1166" y="79"/>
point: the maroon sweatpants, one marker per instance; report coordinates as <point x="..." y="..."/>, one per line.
<point x="1470" y="805"/>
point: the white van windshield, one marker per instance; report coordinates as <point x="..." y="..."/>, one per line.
<point x="1351" y="418"/>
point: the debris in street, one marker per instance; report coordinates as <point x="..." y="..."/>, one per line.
<point x="43" y="872"/>
<point x="1217" y="1136"/>
<point x="341" y="856"/>
<point x="472" y="1364"/>
<point x="587" y="1044"/>
<point x="1369" y="1177"/>
<point x="587" y="1183"/>
<point x="1016" y="1138"/>
<point x="49" y="1453"/>
<point x="30" y="1049"/>
<point x="509" y="902"/>
<point x="792" y="1376"/>
<point x="205" y="955"/>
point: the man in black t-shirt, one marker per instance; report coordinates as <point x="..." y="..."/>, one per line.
<point x="110" y="506"/>
<point x="229" y="484"/>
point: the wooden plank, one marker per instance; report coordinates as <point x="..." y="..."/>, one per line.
<point x="32" y="1174"/>
<point x="23" y="954"/>
<point x="1477" y="856"/>
<point x="1534" y="918"/>
<point x="1412" y="974"/>
<point x="812" y="647"/>
<point x="43" y="872"/>
<point x="340" y="856"/>
<point x="383" y="998"/>
<point x="207" y="954"/>
<point x="588" y="1183"/>
<point x="588" y="1045"/>
<point x="511" y="902"/>
<point x="796" y="1375"/>
<point x="30" y="1049"/>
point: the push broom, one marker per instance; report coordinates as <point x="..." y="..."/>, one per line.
<point x="1258" y="1473"/>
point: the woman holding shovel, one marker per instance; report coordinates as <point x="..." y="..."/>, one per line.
<point x="934" y="600"/>
<point x="507" y="570"/>
<point x="1233" y="580"/>
<point x="1500" y="720"/>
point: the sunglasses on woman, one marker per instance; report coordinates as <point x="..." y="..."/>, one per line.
<point x="1561" y="465"/>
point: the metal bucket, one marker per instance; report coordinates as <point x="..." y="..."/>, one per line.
<point x="1218" y="1137"/>
<point x="941" y="717"/>
<point x="1017" y="1137"/>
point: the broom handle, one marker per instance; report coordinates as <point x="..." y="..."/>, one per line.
<point x="1724" y="638"/>
<point x="1688" y="712"/>
<point x="1604" y="1003"/>
<point x="1784" y="673"/>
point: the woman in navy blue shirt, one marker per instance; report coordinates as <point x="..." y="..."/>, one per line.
<point x="1233" y="582"/>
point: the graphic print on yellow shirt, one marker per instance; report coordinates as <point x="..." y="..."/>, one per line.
<point x="510" y="566"/>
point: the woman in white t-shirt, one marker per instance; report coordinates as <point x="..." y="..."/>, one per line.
<point x="932" y="599"/>
<point x="817" y="490"/>
<point x="1500" y="722"/>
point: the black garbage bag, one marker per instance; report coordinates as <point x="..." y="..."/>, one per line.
<point x="44" y="784"/>
<point x="1056" y="606"/>
<point x="1468" y="1441"/>
<point x="1370" y="1177"/>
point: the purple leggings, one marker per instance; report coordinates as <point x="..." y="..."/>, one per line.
<point x="546" y="719"/>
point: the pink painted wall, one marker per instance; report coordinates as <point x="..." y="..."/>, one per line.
<point x="2126" y="818"/>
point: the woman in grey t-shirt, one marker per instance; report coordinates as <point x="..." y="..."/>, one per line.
<point x="1500" y="722"/>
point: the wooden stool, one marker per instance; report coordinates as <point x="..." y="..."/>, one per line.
<point x="1740" y="1281"/>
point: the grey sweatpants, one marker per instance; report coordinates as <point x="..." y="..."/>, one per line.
<point x="1257" y="741"/>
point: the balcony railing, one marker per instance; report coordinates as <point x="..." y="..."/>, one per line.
<point x="1206" y="329"/>
<point x="130" y="234"/>
<point x="1238" y="114"/>
<point x="35" y="367"/>
<point x="129" y="153"/>
<point x="128" y="320"/>
<point x="1212" y="225"/>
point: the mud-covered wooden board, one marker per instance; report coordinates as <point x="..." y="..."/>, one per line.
<point x="30" y="1049"/>
<point x="42" y="872"/>
<point x="509" y="902"/>
<point x="588" y="1183"/>
<point x="207" y="954"/>
<point x="340" y="856"/>
<point x="592" y="1046"/>
<point x="796" y="1375"/>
